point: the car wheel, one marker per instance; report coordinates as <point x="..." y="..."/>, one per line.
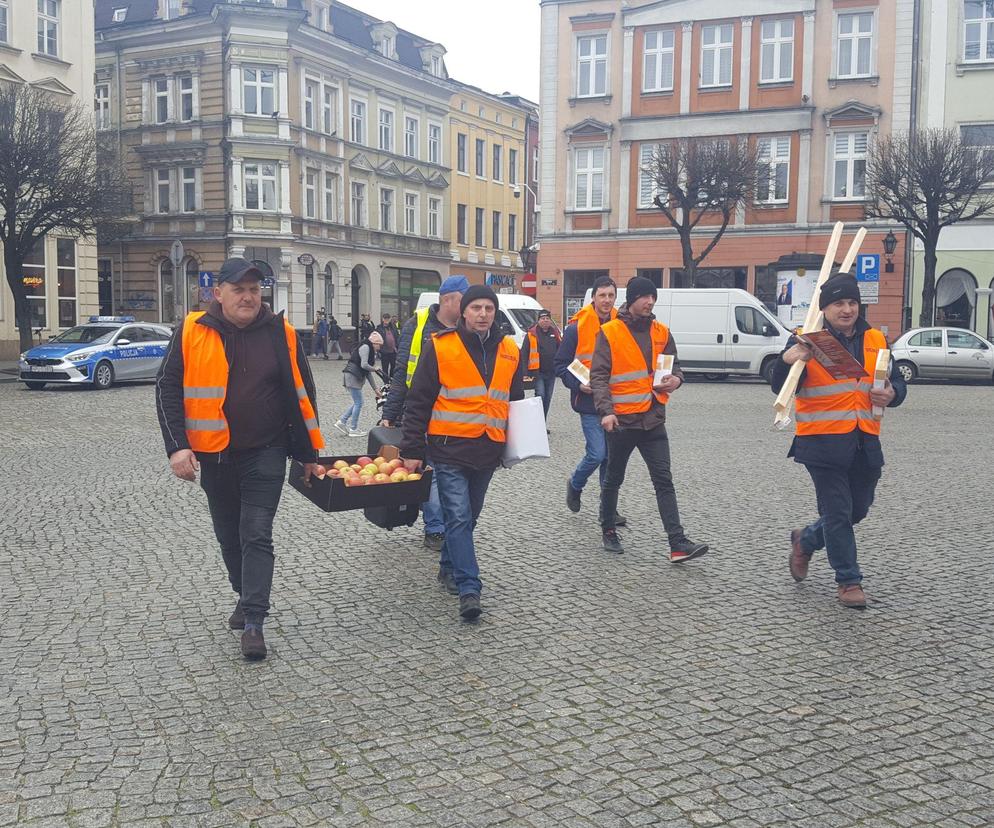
<point x="35" y="386"/>
<point x="716" y="377"/>
<point x="907" y="370"/>
<point x="103" y="376"/>
<point x="766" y="370"/>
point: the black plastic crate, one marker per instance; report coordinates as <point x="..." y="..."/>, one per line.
<point x="332" y="495"/>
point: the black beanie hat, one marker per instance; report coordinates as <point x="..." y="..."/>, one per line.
<point x="840" y="286"/>
<point x="639" y="287"/>
<point x="477" y="292"/>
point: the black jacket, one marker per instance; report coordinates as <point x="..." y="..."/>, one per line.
<point x="477" y="452"/>
<point x="169" y="383"/>
<point x="838" y="450"/>
<point x="393" y="408"/>
<point x="381" y="329"/>
<point x="548" y="345"/>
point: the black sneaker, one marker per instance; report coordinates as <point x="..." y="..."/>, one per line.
<point x="236" y="621"/>
<point x="434" y="541"/>
<point x="447" y="582"/>
<point x="572" y="498"/>
<point x="685" y="550"/>
<point x="619" y="520"/>
<point x="253" y="644"/>
<point x="469" y="606"/>
<point x="612" y="543"/>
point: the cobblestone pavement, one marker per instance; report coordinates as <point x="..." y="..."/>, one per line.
<point x="596" y="691"/>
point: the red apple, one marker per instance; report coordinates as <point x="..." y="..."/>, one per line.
<point x="364" y="461"/>
<point x="340" y="464"/>
<point x="381" y="478"/>
<point x="320" y="471"/>
<point x="356" y="468"/>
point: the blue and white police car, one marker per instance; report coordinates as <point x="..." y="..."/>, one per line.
<point x="105" y="350"/>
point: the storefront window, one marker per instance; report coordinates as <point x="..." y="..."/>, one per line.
<point x="955" y="296"/>
<point x="105" y="286"/>
<point x="309" y="293"/>
<point x="33" y="279"/>
<point x="713" y="277"/>
<point x="400" y="288"/>
<point x="66" y="257"/>
<point x="766" y="286"/>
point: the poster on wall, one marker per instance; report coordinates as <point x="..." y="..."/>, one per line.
<point x="794" y="291"/>
<point x="573" y="306"/>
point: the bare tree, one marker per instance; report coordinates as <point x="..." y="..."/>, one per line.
<point x="927" y="180"/>
<point x="50" y="180"/>
<point x="696" y="178"/>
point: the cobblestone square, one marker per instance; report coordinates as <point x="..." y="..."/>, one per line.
<point x="596" y="690"/>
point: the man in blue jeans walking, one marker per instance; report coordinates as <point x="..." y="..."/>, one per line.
<point x="578" y="344"/>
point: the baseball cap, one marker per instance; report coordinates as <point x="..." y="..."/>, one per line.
<point x="454" y="284"/>
<point x="235" y="269"/>
<point x="544" y="314"/>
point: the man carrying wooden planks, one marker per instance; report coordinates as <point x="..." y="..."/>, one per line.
<point x="838" y="436"/>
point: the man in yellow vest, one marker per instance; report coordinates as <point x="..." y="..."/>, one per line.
<point x="838" y="437"/>
<point x="235" y="397"/>
<point x="456" y="413"/>
<point x="632" y="406"/>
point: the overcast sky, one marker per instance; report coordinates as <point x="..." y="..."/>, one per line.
<point x="492" y="46"/>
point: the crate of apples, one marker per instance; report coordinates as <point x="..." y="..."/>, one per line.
<point x="366" y="471"/>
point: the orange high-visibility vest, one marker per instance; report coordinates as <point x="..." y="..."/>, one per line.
<point x="588" y="325"/>
<point x="825" y="405"/>
<point x="205" y="384"/>
<point x="631" y="378"/>
<point x="465" y="407"/>
<point x="533" y="360"/>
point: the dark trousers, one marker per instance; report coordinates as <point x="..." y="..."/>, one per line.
<point x="243" y="494"/>
<point x="844" y="498"/>
<point x="388" y="361"/>
<point x="321" y="345"/>
<point x="545" y="384"/>
<point x="654" y="446"/>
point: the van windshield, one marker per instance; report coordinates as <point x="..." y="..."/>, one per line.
<point x="525" y="317"/>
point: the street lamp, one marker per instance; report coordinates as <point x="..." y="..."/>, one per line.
<point x="890" y="245"/>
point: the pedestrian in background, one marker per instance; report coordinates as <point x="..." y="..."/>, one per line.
<point x="388" y="353"/>
<point x="366" y="327"/>
<point x="457" y="411"/>
<point x="633" y="412"/>
<point x="538" y="353"/>
<point x="321" y="334"/>
<point x="838" y="438"/>
<point x="360" y="369"/>
<point x="334" y="335"/>
<point x="235" y="396"/>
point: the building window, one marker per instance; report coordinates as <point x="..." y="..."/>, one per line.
<point x="171" y="9"/>
<point x="411" y="214"/>
<point x="461" y="162"/>
<point x="310" y="94"/>
<point x="328" y="110"/>
<point x="461" y="229"/>
<point x="330" y="197"/>
<point x="589" y="179"/>
<point x="309" y="294"/>
<point x="118" y="16"/>
<point x="512" y="231"/>
<point x="657" y="61"/>
<point x="358" y="121"/>
<point x="978" y="30"/>
<point x="260" y="186"/>
<point x="259" y="91"/>
<point x="774" y="170"/>
<point x="481" y="151"/>
<point x="386" y="130"/>
<point x="160" y="93"/>
<point x="34" y="283"/>
<point x="482" y="112"/>
<point x="189" y="189"/>
<point x="977" y="135"/>
<point x="850" y="164"/>
<point x="387" y="46"/>
<point x="358" y="204"/>
<point x="478" y="236"/>
<point x="5" y="22"/>
<point x="648" y="187"/>
<point x="776" y="51"/>
<point x="535" y="164"/>
<point x="386" y="209"/>
<point x="855" y="45"/>
<point x="495" y="233"/>
<point x="162" y="191"/>
<point x="311" y="194"/>
<point x="498" y="162"/>
<point x="434" y="214"/>
<point x="512" y="167"/>
<point x="410" y="137"/>
<point x="434" y="144"/>
<point x="48" y="27"/>
<point x="101" y="102"/>
<point x="591" y="66"/>
<point x="186" y="109"/>
<point x="65" y="250"/>
<point x="716" y="55"/>
<point x="436" y="65"/>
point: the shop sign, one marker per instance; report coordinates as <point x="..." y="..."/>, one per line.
<point x="306" y="259"/>
<point x="500" y="280"/>
<point x="32" y="281"/>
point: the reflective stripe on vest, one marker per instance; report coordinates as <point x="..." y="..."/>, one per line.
<point x="416" y="344"/>
<point x="588" y="325"/>
<point x="533" y="360"/>
<point x="205" y="383"/>
<point x="465" y="407"/>
<point x="825" y="405"/>
<point x="631" y="378"/>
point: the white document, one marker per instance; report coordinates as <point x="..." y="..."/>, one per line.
<point x="664" y="368"/>
<point x="526" y="435"/>
<point x="580" y="371"/>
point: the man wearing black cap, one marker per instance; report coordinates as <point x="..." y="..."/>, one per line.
<point x="838" y="437"/>
<point x="234" y="397"/>
<point x="632" y="406"/>
<point x="456" y="411"/>
<point x="538" y="355"/>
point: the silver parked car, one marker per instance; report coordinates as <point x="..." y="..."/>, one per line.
<point x="943" y="353"/>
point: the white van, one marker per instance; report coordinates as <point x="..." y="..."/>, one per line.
<point x="517" y="312"/>
<point x="719" y="331"/>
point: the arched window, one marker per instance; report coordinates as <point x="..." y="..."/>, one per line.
<point x="955" y="297"/>
<point x="309" y="294"/>
<point x="329" y="288"/>
<point x="168" y="311"/>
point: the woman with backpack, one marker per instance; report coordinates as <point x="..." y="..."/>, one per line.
<point x="360" y="369"/>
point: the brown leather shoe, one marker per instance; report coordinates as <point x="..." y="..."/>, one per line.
<point x="852" y="595"/>
<point x="798" y="560"/>
<point x="253" y="644"/>
<point x="236" y="621"/>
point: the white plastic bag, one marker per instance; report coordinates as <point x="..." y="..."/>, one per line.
<point x="526" y="435"/>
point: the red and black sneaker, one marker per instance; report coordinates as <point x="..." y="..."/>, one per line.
<point x="685" y="550"/>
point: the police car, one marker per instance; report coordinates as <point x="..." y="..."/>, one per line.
<point x="106" y="350"/>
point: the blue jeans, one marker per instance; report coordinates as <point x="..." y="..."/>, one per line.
<point x="596" y="453"/>
<point x="431" y="509"/>
<point x="844" y="498"/>
<point x="354" y="409"/>
<point x="462" y="492"/>
<point x="544" y="386"/>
